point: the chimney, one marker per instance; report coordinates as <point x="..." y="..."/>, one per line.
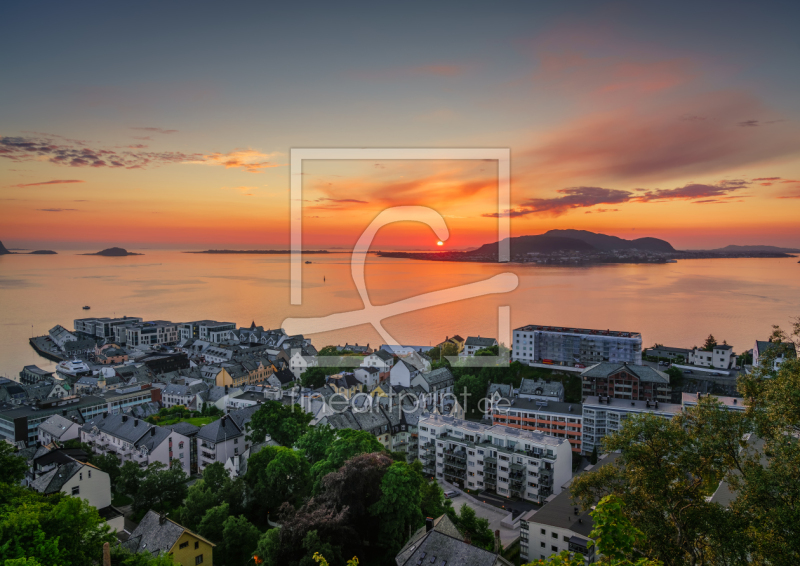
<point x="153" y="431"/>
<point x="734" y="401"/>
<point x="105" y="415"/>
<point x="162" y="518"/>
<point x="135" y="422"/>
<point x="124" y="418"/>
<point x="428" y="524"/>
<point x="63" y="412"/>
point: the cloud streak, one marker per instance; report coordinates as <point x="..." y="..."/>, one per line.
<point x="53" y="182"/>
<point x="155" y="130"/>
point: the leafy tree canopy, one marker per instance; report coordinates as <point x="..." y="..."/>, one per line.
<point x="284" y="424"/>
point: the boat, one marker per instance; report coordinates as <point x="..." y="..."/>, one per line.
<point x="73" y="369"/>
<point x="308" y="262"/>
<point x="86" y="308"/>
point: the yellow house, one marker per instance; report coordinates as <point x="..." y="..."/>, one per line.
<point x="457" y="340"/>
<point x="344" y="384"/>
<point x="157" y="534"/>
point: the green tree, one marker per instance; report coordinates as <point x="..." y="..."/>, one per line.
<point x="120" y="556"/>
<point x="284" y="424"/>
<point x="212" y="526"/>
<point x="449" y="349"/>
<point x="675" y="377"/>
<point x="709" y="343"/>
<point x="161" y="488"/>
<point x="315" y="376"/>
<point x="473" y="388"/>
<point x="269" y="548"/>
<point x="593" y="458"/>
<point x="277" y="474"/>
<point x="130" y="477"/>
<point x="241" y="540"/>
<point x="474" y="527"/>
<point x="13" y="466"/>
<point x="316" y="441"/>
<point x="348" y="443"/>
<point x="199" y="499"/>
<point x="398" y="509"/>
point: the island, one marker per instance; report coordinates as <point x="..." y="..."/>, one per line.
<point x="274" y="252"/>
<point x="6" y="251"/>
<point x="583" y="248"/>
<point x="114" y="252"/>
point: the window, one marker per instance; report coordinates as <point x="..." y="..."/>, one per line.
<point x="544" y="546"/>
<point x="80" y="476"/>
<point x="196" y="544"/>
<point x="90" y="473"/>
<point x="198" y="559"/>
<point x="554" y="535"/>
<point x="554" y="548"/>
<point x="76" y="490"/>
<point x="566" y="539"/>
<point x="544" y="532"/>
<point x="183" y="544"/>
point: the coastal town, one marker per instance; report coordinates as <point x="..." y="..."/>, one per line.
<point x="504" y="441"/>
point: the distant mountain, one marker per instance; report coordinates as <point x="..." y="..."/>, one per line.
<point x="42" y="252"/>
<point x="751" y="249"/>
<point x="3" y="250"/>
<point x="536" y="244"/>
<point x="114" y="252"/>
<point x="608" y="243"/>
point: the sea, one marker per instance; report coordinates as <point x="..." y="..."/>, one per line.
<point x="675" y="304"/>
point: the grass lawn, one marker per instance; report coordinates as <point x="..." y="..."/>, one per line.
<point x="200" y="421"/>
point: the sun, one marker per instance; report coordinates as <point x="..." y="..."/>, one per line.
<point x="440" y="243"/>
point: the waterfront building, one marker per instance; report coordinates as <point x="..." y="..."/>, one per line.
<point x="209" y="330"/>
<point x="605" y="415"/>
<point x="101" y="327"/>
<point x="561" y="420"/>
<point x="512" y="462"/>
<point x="34" y="374"/>
<point x="142" y="335"/>
<point x="576" y="347"/>
<point x="60" y="336"/>
<point x="626" y="381"/>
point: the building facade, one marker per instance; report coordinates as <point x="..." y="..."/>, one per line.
<point x="561" y="420"/>
<point x="720" y="357"/>
<point x="509" y="461"/>
<point x="575" y="347"/>
<point x="626" y="381"/>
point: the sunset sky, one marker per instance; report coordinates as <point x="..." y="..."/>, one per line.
<point x="169" y="124"/>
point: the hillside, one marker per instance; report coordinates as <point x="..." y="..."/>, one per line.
<point x="3" y="250"/>
<point x="751" y="249"/>
<point x="536" y="244"/>
<point x="608" y="243"/>
<point x="114" y="252"/>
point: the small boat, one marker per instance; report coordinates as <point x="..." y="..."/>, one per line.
<point x="86" y="308"/>
<point x="308" y="262"/>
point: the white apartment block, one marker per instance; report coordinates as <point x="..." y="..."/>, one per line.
<point x="576" y="347"/>
<point x="509" y="461"/>
<point x="605" y="415"/>
<point x="209" y="330"/>
<point x="721" y="357"/>
<point x="102" y="327"/>
<point x="145" y="334"/>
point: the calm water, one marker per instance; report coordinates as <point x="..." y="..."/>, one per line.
<point x="677" y="304"/>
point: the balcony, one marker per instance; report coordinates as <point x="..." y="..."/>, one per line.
<point x="208" y="456"/>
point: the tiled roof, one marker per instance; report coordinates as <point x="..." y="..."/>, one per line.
<point x="220" y="430"/>
<point x="644" y="373"/>
<point x="54" y="480"/>
<point x="480" y="342"/>
<point x="154" y="537"/>
<point x="541" y="387"/>
<point x="438" y="548"/>
<point x="437" y="376"/>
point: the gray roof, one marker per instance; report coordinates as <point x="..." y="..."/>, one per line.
<point x="556" y="407"/>
<point x="383" y="354"/>
<point x="184" y="428"/>
<point x="151" y="536"/>
<point x="437" y="376"/>
<point x="644" y="373"/>
<point x="220" y="430"/>
<point x="56" y="425"/>
<point x="503" y="389"/>
<point x="480" y="342"/>
<point x="54" y="480"/>
<point x="764" y="346"/>
<point x="121" y="426"/>
<point x="436" y="548"/>
<point x="442" y="524"/>
<point x="541" y="387"/>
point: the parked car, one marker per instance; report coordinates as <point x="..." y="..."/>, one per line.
<point x="687" y="371"/>
<point x="450" y="493"/>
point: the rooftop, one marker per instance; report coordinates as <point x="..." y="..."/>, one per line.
<point x="644" y="373"/>
<point x="582" y="331"/>
<point x="634" y="406"/>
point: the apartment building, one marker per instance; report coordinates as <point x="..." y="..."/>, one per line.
<point x="509" y="461"/>
<point x="102" y="327"/>
<point x="604" y="415"/>
<point x="720" y="357"/>
<point x="730" y="403"/>
<point x="575" y="347"/>
<point x="19" y="424"/>
<point x="134" y="440"/>
<point x="561" y="420"/>
<point x="558" y="526"/>
<point x="626" y="381"/>
<point x="145" y="334"/>
<point x="209" y="330"/>
<point x="224" y="438"/>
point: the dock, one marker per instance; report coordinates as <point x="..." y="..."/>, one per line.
<point x="45" y="348"/>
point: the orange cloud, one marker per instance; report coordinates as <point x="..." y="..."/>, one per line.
<point x="250" y="160"/>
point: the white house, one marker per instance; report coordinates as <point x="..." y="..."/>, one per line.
<point x="402" y="373"/>
<point x="299" y="363"/>
<point x="721" y="357"/>
<point x="369" y="376"/>
<point x="784" y="350"/>
<point x="380" y="359"/>
<point x="61" y="335"/>
<point x="132" y="439"/>
<point x="475" y="343"/>
<point x="57" y="428"/>
<point x="224" y="438"/>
